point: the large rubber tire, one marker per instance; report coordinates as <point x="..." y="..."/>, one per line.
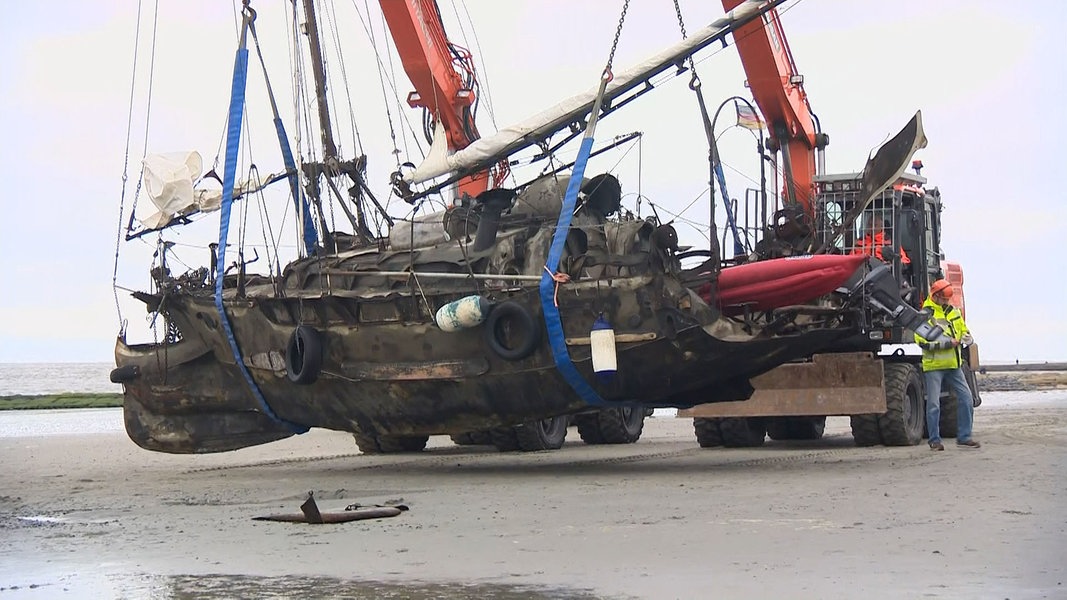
<point x="742" y="432"/>
<point x="390" y="444"/>
<point x="614" y="425"/>
<point x="904" y="420"/>
<point x="707" y="430"/>
<point x="473" y="438"/>
<point x="807" y="428"/>
<point x="865" y="430"/>
<point x="778" y="429"/>
<point x="796" y="428"/>
<point x="504" y="439"/>
<point x="546" y="434"/>
<point x="731" y="432"/>
<point x="948" y="425"/>
<point x="902" y="423"/>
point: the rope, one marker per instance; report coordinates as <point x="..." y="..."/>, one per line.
<point x="558" y="278"/>
<point x="125" y="172"/>
<point x="307" y="225"/>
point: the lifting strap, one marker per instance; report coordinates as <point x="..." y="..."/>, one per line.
<point x="550" y="279"/>
<point x="233" y="138"/>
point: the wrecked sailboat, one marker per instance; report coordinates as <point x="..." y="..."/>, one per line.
<point x="508" y="315"/>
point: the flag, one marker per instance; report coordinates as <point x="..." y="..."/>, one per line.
<point x="747" y="117"/>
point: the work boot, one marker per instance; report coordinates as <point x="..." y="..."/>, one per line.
<point x="937" y="446"/>
<point x="969" y="444"/>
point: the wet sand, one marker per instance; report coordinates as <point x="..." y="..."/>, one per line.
<point x="94" y="516"/>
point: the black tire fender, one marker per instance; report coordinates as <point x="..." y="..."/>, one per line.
<point x="303" y="355"/>
<point x="523" y="326"/>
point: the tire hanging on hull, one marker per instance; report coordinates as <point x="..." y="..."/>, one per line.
<point x="303" y="355"/>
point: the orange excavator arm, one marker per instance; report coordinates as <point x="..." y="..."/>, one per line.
<point x="779" y="92"/>
<point x="442" y="73"/>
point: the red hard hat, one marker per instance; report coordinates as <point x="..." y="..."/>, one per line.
<point x="943" y="287"/>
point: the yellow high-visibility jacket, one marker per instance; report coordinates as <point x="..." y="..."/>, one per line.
<point x="942" y="355"/>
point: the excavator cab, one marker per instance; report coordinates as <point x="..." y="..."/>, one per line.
<point x="899" y="227"/>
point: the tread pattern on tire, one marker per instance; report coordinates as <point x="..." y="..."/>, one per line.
<point x="472" y="438"/>
<point x="533" y="437"/>
<point x="742" y="432"/>
<point x="609" y="426"/>
<point x="865" y="430"/>
<point x="948" y="425"/>
<point x="529" y="437"/>
<point x="890" y="428"/>
<point x="731" y="432"/>
<point x="796" y="428"/>
<point x="892" y="424"/>
<point x="707" y="431"/>
<point x="390" y="444"/>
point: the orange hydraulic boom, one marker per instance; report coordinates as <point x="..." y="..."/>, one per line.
<point x="442" y="73"/>
<point x="779" y="92"/>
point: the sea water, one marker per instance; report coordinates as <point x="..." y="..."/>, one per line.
<point x="36" y="379"/>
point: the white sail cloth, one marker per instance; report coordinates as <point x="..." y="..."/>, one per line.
<point x="545" y="123"/>
<point x="170" y="179"/>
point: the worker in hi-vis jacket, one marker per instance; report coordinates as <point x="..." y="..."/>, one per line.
<point x="872" y="243"/>
<point x="941" y="366"/>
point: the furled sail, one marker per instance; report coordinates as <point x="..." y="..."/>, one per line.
<point x="171" y="180"/>
<point x="511" y="139"/>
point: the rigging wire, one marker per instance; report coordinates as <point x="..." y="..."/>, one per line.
<point x="385" y="78"/>
<point x="125" y="168"/>
<point x="481" y="55"/>
<point x="237" y="21"/>
<point x="331" y="18"/>
<point x="301" y="112"/>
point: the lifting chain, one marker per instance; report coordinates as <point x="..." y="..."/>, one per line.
<point x="681" y="25"/>
<point x="615" y="42"/>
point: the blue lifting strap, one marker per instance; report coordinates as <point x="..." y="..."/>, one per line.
<point x="310" y="238"/>
<point x="553" y="324"/>
<point x="233" y="136"/>
<point x="731" y="218"/>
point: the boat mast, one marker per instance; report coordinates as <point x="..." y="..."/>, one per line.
<point x="332" y="165"/>
<point x="312" y="31"/>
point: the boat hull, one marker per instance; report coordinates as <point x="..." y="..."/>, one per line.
<point x="190" y="396"/>
<point x="769" y="284"/>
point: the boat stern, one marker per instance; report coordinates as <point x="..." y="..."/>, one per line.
<point x="189" y="410"/>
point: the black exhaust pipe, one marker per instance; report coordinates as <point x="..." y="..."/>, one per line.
<point x="493" y="203"/>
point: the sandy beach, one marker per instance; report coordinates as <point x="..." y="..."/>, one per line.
<point x="92" y="515"/>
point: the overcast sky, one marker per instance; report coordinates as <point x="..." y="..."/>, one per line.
<point x="989" y="81"/>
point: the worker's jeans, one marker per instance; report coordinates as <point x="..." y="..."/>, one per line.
<point x="964" y="403"/>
